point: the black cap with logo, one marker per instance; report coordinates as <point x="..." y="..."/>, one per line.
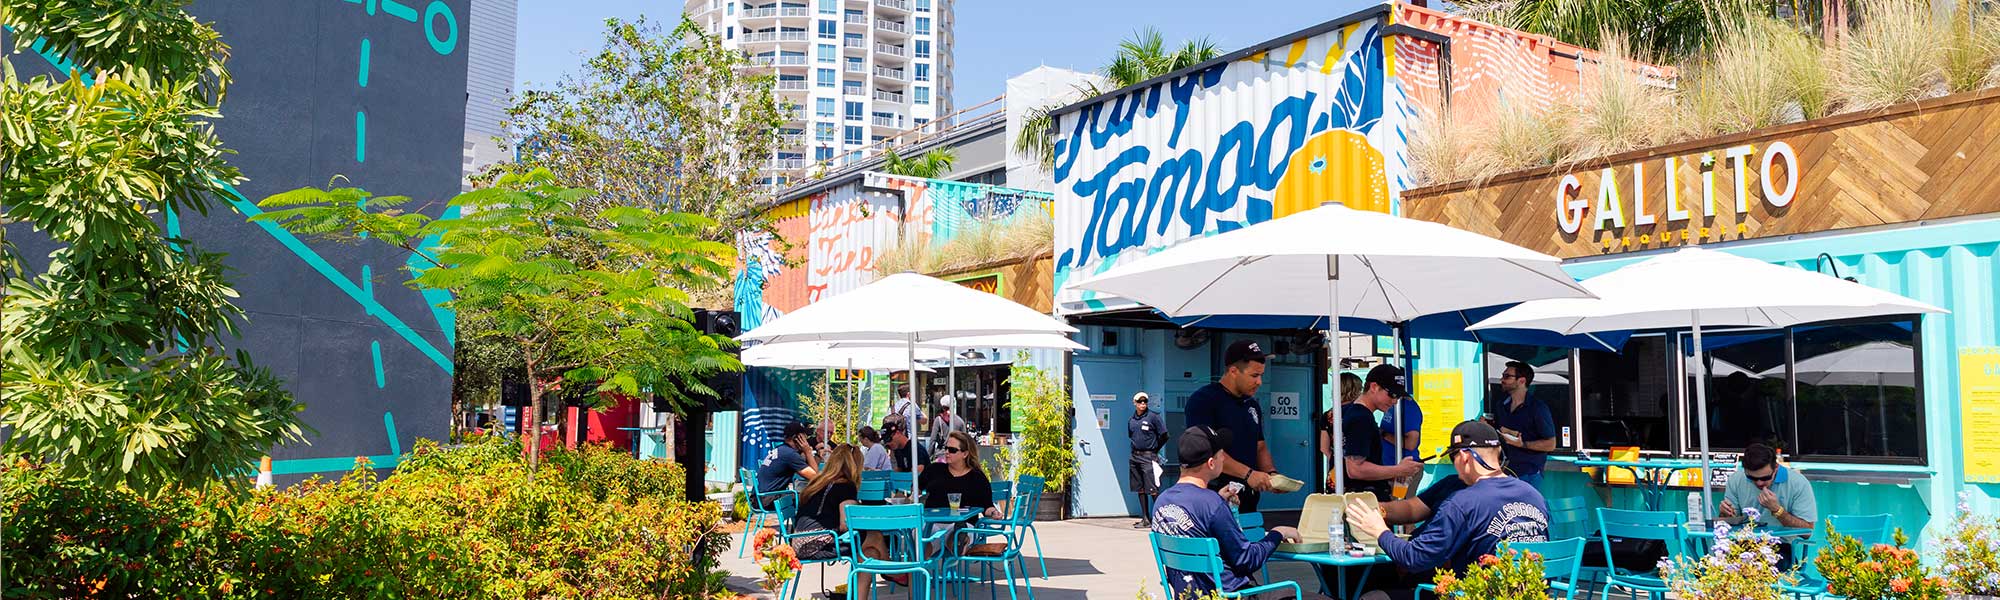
<point x="1201" y="442"/>
<point x="1244" y="350"/>
<point x="1390" y="378"/>
<point x="1474" y="434"/>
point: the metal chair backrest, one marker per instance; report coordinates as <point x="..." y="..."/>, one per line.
<point x="874" y="486"/>
<point x="1669" y="527"/>
<point x="1027" y="495"/>
<point x="901" y="480"/>
<point x="905" y="521"/>
<point x="1868" y="529"/>
<point x="1252" y="524"/>
<point x="1038" y="482"/>
<point x="1569" y="517"/>
<point x="1201" y="556"/>
<point x="1002" y="490"/>
<point x="1562" y="560"/>
<point x="786" y="506"/>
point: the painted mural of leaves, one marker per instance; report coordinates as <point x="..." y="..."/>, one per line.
<point x="1356" y="105"/>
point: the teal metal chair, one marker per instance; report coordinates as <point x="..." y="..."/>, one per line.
<point x="1009" y="558"/>
<point x="1571" y="517"/>
<point x="1203" y="556"/>
<point x="1253" y="529"/>
<point x="1562" y="562"/>
<point x="1002" y="490"/>
<point x="874" y="486"/>
<point x="1669" y="528"/>
<point x="787" y="508"/>
<point x="1028" y="491"/>
<point x="900" y="481"/>
<point x="760" y="517"/>
<point x="1867" y="529"/>
<point x="889" y="521"/>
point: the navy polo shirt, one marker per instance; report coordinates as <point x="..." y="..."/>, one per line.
<point x="1214" y="406"/>
<point x="1532" y="419"/>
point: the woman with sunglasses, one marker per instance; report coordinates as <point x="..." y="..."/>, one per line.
<point x="961" y="474"/>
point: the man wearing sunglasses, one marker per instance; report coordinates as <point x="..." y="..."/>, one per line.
<point x="1780" y="496"/>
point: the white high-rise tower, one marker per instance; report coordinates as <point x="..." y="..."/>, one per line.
<point x="859" y="71"/>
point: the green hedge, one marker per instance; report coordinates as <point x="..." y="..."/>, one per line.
<point x="466" y="522"/>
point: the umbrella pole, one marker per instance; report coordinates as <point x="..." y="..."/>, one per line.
<point x="853" y="406"/>
<point x="1701" y="409"/>
<point x="1333" y="374"/>
<point x="1403" y="362"/>
<point x="952" y="385"/>
<point x="1882" y="407"/>
<point x="912" y="427"/>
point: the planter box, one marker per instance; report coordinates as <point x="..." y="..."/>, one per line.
<point x="1054" y="506"/>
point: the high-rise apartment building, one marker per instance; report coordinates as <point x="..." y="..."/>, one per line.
<point x="856" y="72"/>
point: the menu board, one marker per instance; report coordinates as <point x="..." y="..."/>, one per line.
<point x="1441" y="395"/>
<point x="1979" y="410"/>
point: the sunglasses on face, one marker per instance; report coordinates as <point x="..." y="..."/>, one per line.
<point x="953" y="450"/>
<point x="1773" y="475"/>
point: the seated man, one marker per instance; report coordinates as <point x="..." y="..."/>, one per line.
<point x="1493" y="508"/>
<point x="793" y="456"/>
<point x="1781" y="496"/>
<point x="896" y="435"/>
<point x="1190" y="509"/>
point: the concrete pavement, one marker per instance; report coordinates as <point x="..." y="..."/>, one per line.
<point x="1087" y="558"/>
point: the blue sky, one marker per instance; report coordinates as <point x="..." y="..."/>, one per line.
<point x="995" y="38"/>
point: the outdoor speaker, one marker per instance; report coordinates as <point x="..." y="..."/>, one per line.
<point x="728" y="385"/>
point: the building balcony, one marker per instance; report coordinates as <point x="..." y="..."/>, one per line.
<point x="855" y="67"/>
<point x="888" y="73"/>
<point x="785" y="164"/>
<point x="794" y="114"/>
<point x="891" y="122"/>
<point x="853" y="90"/>
<point x="888" y="96"/>
<point x="891" y="50"/>
<point x="791" y="140"/>
<point x="777" y="11"/>
<point x="895" y="27"/>
<point x="857" y="19"/>
<point x="793" y="85"/>
<point x="895" y="5"/>
<point x="788" y="60"/>
<point x="776" y="36"/>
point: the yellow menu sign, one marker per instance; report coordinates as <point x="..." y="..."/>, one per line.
<point x="1441" y="395"/>
<point x="1979" y="410"/>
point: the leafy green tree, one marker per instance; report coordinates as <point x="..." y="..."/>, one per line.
<point x="114" y="368"/>
<point x="1142" y="56"/>
<point x="665" y="120"/>
<point x="584" y="299"/>
<point x="1664" y="30"/>
<point x="930" y="165"/>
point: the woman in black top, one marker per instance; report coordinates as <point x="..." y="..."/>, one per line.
<point x="821" y="509"/>
<point x="961" y="475"/>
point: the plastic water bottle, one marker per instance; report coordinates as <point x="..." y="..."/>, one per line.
<point x="1336" y="534"/>
<point x="1695" y="520"/>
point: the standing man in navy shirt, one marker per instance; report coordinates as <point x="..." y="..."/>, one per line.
<point x="1526" y="428"/>
<point x="1148" y="431"/>
<point x="1231" y="404"/>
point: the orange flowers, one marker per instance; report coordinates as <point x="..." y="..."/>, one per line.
<point x="763" y="538"/>
<point x="1489" y="560"/>
<point x="1899" y="584"/>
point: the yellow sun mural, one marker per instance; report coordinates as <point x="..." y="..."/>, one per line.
<point x="1338" y="166"/>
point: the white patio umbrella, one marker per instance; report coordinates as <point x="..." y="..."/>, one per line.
<point x="1880" y="364"/>
<point x="808" y="356"/>
<point x="908" y="308"/>
<point x="1695" y="287"/>
<point x="1555" y="373"/>
<point x="1028" y="341"/>
<point x="1337" y="262"/>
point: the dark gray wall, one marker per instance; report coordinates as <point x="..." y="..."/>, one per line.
<point x="291" y="116"/>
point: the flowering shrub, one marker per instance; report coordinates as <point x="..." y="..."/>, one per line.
<point x="1518" y="576"/>
<point x="466" y="522"/>
<point x="1971" y="552"/>
<point x="1740" y="565"/>
<point x="1879" y="572"/>
<point x="612" y="475"/>
<point x="777" y="559"/>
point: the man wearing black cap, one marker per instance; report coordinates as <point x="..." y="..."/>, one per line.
<point x="793" y="456"/>
<point x="1361" y="437"/>
<point x="896" y="435"/>
<point x="1493" y="508"/>
<point x="1191" y="509"/>
<point x="1231" y="404"/>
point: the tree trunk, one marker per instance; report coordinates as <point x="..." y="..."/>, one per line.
<point x="457" y="404"/>
<point x="533" y="423"/>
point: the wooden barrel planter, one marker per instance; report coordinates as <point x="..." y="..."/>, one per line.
<point x="1053" y="506"/>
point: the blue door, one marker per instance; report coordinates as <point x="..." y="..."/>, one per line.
<point x="1101" y="389"/>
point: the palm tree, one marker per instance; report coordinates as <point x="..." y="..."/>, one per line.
<point x="929" y="165"/>
<point x="1140" y="57"/>
<point x="1652" y="29"/>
